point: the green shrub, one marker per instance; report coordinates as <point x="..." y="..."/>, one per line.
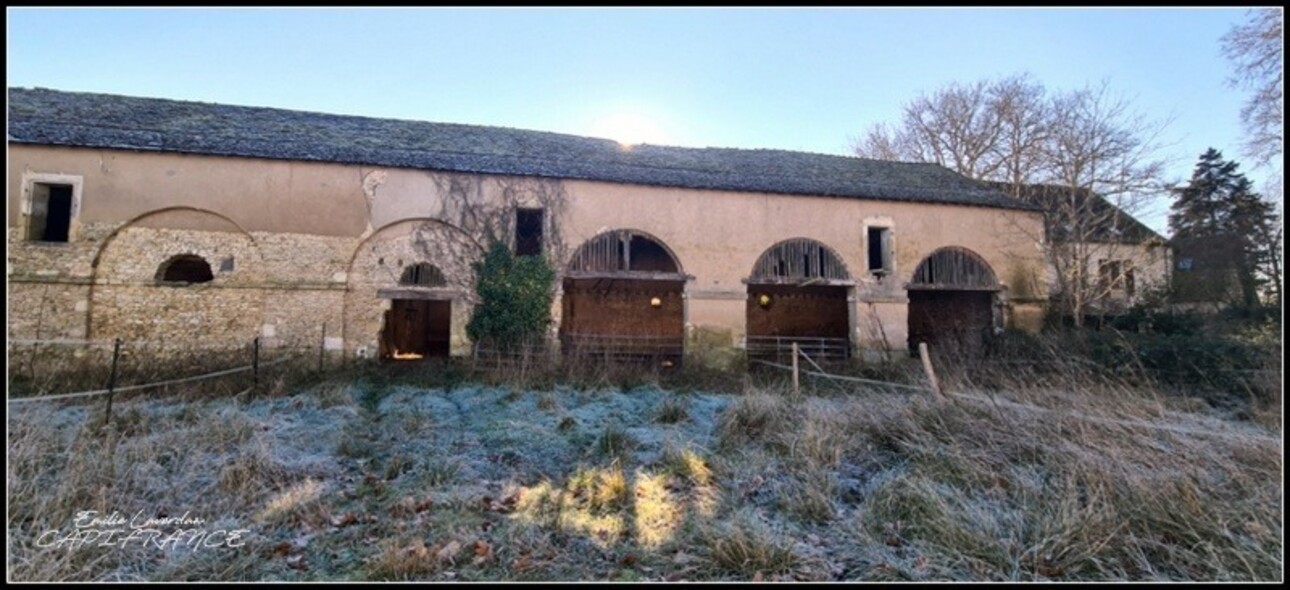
<point x="514" y="298"/>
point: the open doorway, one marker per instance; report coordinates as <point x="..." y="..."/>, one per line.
<point x="416" y="329"/>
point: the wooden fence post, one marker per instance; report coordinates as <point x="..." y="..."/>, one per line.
<point x="927" y="367"/>
<point x="255" y="368"/>
<point x="796" y="377"/>
<point x="116" y="354"/>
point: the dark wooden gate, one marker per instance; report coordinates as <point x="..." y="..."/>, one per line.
<point x="416" y="329"/>
<point x="623" y="319"/>
<point x="817" y="319"/>
<point x="950" y="321"/>
<point x="951" y="302"/>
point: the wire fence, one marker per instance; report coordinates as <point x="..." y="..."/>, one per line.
<point x="63" y="368"/>
<point x="1208" y="429"/>
<point x="200" y="370"/>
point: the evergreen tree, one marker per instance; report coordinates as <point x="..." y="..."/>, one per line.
<point x="1220" y="205"/>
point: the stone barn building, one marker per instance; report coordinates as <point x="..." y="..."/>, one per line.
<point x="154" y="219"/>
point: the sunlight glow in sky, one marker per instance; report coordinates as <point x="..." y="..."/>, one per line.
<point x="795" y="79"/>
<point x="630" y="128"/>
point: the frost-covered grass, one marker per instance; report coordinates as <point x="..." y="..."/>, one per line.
<point x="364" y="480"/>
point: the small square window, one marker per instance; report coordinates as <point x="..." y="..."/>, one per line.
<point x="50" y="216"/>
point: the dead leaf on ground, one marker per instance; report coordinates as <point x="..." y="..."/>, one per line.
<point x="449" y="552"/>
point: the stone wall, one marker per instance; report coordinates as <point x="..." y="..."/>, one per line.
<point x="379" y="263"/>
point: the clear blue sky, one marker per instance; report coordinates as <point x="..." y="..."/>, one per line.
<point x="798" y="79"/>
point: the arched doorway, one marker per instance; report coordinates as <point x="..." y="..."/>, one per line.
<point x="419" y="321"/>
<point x="409" y="291"/>
<point x="951" y="301"/>
<point x="797" y="294"/>
<point x="623" y="300"/>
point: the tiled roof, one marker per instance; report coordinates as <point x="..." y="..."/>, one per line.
<point x="1112" y="224"/>
<point x="51" y="117"/>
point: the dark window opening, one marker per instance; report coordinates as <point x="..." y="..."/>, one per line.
<point x="878" y="250"/>
<point x="51" y="213"/>
<point x="528" y="232"/>
<point x="1116" y="275"/>
<point x="185" y="268"/>
<point x="226" y="265"/>
<point x="647" y="255"/>
<point x="422" y="274"/>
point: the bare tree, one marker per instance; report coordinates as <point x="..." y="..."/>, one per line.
<point x="1256" y="48"/>
<point x="956" y="126"/>
<point x="880" y="143"/>
<point x="1271" y="241"/>
<point x="1087" y="147"/>
<point x="1024" y="119"/>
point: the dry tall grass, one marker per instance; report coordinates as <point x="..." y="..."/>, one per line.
<point x="1108" y="481"/>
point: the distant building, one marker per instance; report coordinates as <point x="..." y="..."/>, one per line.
<point x="1204" y="273"/>
<point x="185" y="222"/>
<point x="1120" y="257"/>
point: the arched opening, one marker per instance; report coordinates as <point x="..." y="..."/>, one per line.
<point x="616" y="252"/>
<point x="623" y="300"/>
<point x="422" y="274"/>
<point x="226" y="315"/>
<point x="951" y="301"/>
<point x="389" y="309"/>
<point x="797" y="294"/>
<point x="419" y="322"/>
<point x="185" y="268"/>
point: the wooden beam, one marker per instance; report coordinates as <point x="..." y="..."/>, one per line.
<point x="797" y="389"/>
<point x="814" y="282"/>
<point x="430" y="293"/>
<point x="634" y="275"/>
<point x="925" y="287"/>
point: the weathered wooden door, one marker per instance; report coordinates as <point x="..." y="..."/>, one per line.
<point x="957" y="322"/>
<point x="416" y="328"/>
